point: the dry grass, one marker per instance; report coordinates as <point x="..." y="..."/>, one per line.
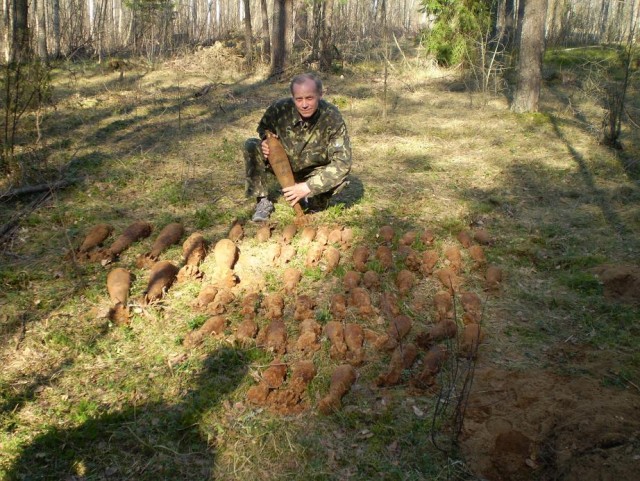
<point x="81" y="397"/>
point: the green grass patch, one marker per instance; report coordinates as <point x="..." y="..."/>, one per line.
<point x="89" y="399"/>
<point x="578" y="57"/>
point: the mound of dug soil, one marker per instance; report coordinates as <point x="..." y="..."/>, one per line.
<point x="620" y="282"/>
<point x="535" y="425"/>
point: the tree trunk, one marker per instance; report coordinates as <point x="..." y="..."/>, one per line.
<point x="326" y="40"/>
<point x="632" y="20"/>
<point x="194" y="21"/>
<point x="56" y="28"/>
<point x="266" y="39"/>
<point x="302" y="17"/>
<point x="208" y="21"/>
<point x="318" y="22"/>
<point x="506" y="22"/>
<point x="248" y="36"/>
<point x="288" y="31"/>
<point x="6" y="22"/>
<point x="604" y="20"/>
<point x="529" y="72"/>
<point x="278" y="54"/>
<point x="20" y="32"/>
<point x="92" y="16"/>
<point x="41" y="31"/>
<point x="382" y="13"/>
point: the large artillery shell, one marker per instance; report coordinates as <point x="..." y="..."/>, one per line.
<point x="452" y="253"/>
<point x="465" y="238"/>
<point x="161" y="277"/>
<point x="386" y="234"/>
<point x="341" y="381"/>
<point x="168" y="236"/>
<point x="290" y="279"/>
<point x="493" y="277"/>
<point x="354" y="338"/>
<point x="402" y="358"/>
<point x="225" y="253"/>
<point x="281" y="167"/>
<point x="432" y="362"/>
<point x="236" y="233"/>
<point x="288" y="233"/>
<point x="335" y="333"/>
<point x="405" y="281"/>
<point x="332" y="258"/>
<point x="438" y="332"/>
<point x="472" y="336"/>
<point x="212" y="326"/>
<point x="171" y="234"/>
<point x="136" y="231"/>
<point x="118" y="285"/>
<point x="360" y="257"/>
<point x="385" y="256"/>
<point x="96" y="236"/>
<point x="399" y="327"/>
<point x="194" y="249"/>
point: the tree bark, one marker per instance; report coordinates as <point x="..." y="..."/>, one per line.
<point x="266" y="40"/>
<point x="506" y="22"/>
<point x="302" y="17"/>
<point x="92" y="16"/>
<point x="278" y="54"/>
<point x="604" y="20"/>
<point x="20" y="31"/>
<point x="318" y="22"/>
<point x="56" y="28"/>
<point x="41" y="30"/>
<point x="326" y="39"/>
<point x="288" y="30"/>
<point x="35" y="189"/>
<point x="248" y="36"/>
<point x="529" y="72"/>
<point x="6" y="22"/>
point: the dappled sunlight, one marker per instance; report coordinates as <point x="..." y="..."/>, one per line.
<point x="166" y="396"/>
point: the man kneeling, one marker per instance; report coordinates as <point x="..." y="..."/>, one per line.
<point x="315" y="138"/>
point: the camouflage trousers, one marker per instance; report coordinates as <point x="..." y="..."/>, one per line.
<point x="258" y="173"/>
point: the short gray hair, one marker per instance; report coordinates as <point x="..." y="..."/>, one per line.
<point x="302" y="78"/>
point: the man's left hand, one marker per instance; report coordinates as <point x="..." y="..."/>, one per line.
<point x="296" y="193"/>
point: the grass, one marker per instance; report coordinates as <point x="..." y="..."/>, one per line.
<point x="83" y="397"/>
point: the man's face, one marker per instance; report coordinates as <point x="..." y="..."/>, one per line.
<point x="306" y="98"/>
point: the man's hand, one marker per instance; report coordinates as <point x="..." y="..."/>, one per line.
<point x="296" y="193"/>
<point x="264" y="146"/>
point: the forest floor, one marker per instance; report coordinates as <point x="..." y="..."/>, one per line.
<point x="553" y="394"/>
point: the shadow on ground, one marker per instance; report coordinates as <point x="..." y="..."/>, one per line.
<point x="351" y="194"/>
<point x="159" y="441"/>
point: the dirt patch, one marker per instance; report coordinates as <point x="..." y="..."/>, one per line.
<point x="621" y="283"/>
<point x="537" y="425"/>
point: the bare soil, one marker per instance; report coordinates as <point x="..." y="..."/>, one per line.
<point x="621" y="283"/>
<point x="533" y="424"/>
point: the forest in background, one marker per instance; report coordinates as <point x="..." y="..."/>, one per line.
<point x="149" y="28"/>
<point x="496" y="45"/>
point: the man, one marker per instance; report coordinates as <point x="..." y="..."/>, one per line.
<point x="315" y="139"/>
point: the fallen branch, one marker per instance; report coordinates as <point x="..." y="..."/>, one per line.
<point x="9" y="227"/>
<point x="35" y="189"/>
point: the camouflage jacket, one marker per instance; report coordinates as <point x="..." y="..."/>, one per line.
<point x="318" y="148"/>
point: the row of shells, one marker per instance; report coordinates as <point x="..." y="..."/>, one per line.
<point x="389" y="256"/>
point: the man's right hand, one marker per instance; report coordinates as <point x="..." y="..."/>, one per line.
<point x="264" y="146"/>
